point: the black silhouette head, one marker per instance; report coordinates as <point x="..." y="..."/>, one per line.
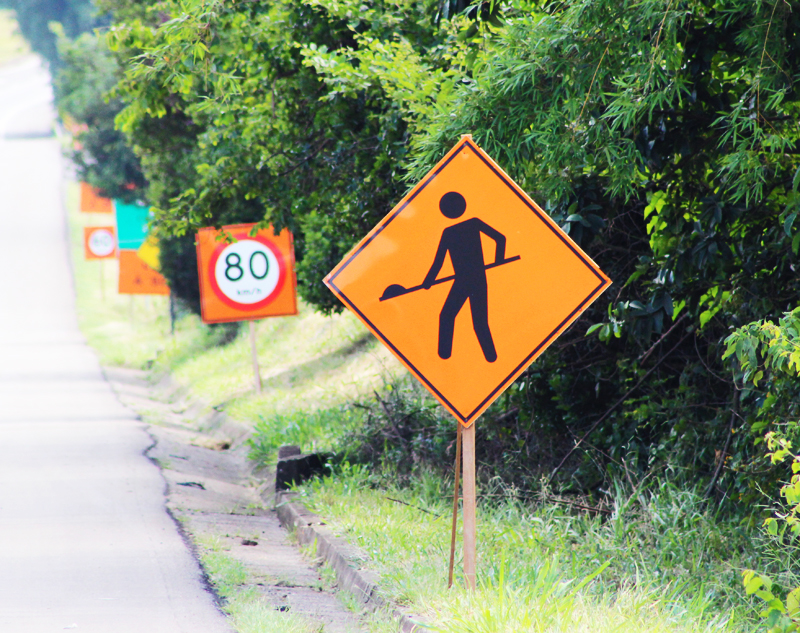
<point x="452" y="205"/>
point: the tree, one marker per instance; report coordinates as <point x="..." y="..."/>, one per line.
<point x="267" y="141"/>
<point x="103" y="157"/>
<point x="662" y="135"/>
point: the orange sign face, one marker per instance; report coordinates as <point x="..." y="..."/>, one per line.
<point x="251" y="277"/>
<point x="92" y="202"/>
<point x="137" y="278"/>
<point x="99" y="242"/>
<point x="467" y="281"/>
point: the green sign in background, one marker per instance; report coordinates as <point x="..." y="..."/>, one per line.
<point x="132" y="222"/>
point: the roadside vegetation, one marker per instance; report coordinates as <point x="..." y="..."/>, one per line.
<point x="657" y="560"/>
<point x="12" y="44"/>
<point x="640" y="555"/>
<point x="662" y="136"/>
<point x="247" y="611"/>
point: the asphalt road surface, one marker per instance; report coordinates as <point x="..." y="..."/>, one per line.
<point x="85" y="540"/>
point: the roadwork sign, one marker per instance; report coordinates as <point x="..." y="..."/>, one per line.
<point x="99" y="242"/>
<point x="92" y="202"/>
<point x="137" y="278"/>
<point x="247" y="276"/>
<point x="467" y="234"/>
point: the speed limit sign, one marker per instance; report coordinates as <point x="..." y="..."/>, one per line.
<point x="99" y="242"/>
<point x="244" y="276"/>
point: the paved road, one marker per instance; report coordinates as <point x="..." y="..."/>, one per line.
<point x="85" y="540"/>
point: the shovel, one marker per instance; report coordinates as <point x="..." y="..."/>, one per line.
<point x="396" y="290"/>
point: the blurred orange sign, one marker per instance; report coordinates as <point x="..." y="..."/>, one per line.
<point x="247" y="277"/>
<point x="467" y="281"/>
<point x="93" y="202"/>
<point x="99" y="242"/>
<point x="137" y="278"/>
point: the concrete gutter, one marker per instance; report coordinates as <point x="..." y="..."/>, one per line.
<point x="338" y="553"/>
<point x="292" y="515"/>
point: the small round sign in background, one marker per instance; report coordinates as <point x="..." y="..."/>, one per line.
<point x="243" y="276"/>
<point x="99" y="242"/>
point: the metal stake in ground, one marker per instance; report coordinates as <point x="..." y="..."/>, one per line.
<point x="254" y="352"/>
<point x="456" y="474"/>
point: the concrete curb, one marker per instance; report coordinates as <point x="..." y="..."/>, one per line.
<point x="293" y="516"/>
<point x="309" y="529"/>
<point x="208" y="418"/>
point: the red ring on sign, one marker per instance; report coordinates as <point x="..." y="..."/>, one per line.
<point x="247" y="307"/>
<point x="91" y="235"/>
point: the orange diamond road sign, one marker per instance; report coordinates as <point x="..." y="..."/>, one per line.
<point x="137" y="278"/>
<point x="467" y="281"/>
<point x="247" y="277"/>
<point x="99" y="242"/>
<point x="93" y="202"/>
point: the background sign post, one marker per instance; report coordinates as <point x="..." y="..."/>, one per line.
<point x="254" y="352"/>
<point x="246" y="274"/>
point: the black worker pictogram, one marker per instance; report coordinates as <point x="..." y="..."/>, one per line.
<point x="463" y="243"/>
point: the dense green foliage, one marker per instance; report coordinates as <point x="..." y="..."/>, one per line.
<point x="768" y="362"/>
<point x="663" y="137"/>
<point x="102" y="155"/>
<point x="263" y="137"/>
<point x="770" y="354"/>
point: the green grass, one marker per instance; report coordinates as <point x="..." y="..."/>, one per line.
<point x="248" y="610"/>
<point x="251" y="615"/>
<point x="313" y="431"/>
<point x="12" y="44"/>
<point x="309" y="363"/>
<point x="659" y="563"/>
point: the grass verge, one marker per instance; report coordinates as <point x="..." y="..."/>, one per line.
<point x="660" y="562"/>
<point x="309" y="363"/>
<point x="12" y="44"/>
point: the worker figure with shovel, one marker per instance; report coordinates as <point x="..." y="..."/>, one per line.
<point x="463" y="242"/>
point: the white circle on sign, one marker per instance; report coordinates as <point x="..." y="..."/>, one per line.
<point x="247" y="271"/>
<point x="101" y="243"/>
